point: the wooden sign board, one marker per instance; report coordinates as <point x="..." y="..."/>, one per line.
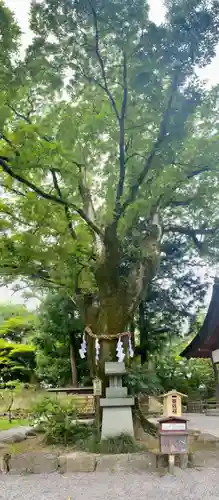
<point x="173" y="426"/>
<point x="173" y="445"/>
<point x="215" y="356"/>
<point x="97" y="386"/>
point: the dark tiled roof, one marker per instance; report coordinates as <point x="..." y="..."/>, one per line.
<point x="207" y="339"/>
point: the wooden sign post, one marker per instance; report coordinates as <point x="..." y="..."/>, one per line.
<point x="173" y="438"/>
<point x="97" y="391"/>
<point x="97" y="386"/>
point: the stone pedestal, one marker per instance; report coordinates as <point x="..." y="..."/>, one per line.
<point x="117" y="413"/>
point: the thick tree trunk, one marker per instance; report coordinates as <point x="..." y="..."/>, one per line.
<point x="143" y="334"/>
<point x="121" y="282"/>
<point x="74" y="371"/>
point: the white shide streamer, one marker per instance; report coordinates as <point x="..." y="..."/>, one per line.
<point x="120" y="351"/>
<point x="97" y="349"/>
<point x="83" y="349"/>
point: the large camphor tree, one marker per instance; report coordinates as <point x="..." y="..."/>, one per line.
<point x="108" y="145"/>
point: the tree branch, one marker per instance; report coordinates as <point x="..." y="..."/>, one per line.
<point x="17" y="219"/>
<point x="19" y="115"/>
<point x="122" y="162"/>
<point x="133" y="155"/>
<point x="201" y="170"/>
<point x="12" y="190"/>
<point x="101" y="63"/>
<point x="192" y="233"/>
<point x="12" y="146"/>
<point x="188" y="230"/>
<point x="85" y="195"/>
<point x="161" y="136"/>
<point x="66" y="209"/>
<point x="180" y="203"/>
<point x="60" y="199"/>
<point x="38" y="274"/>
<point x="50" y="197"/>
<point x="197" y="171"/>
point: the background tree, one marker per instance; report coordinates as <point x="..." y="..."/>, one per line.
<point x="194" y="377"/>
<point x="58" y="340"/>
<point x="174" y="298"/>
<point x="96" y="177"/>
<point x="17" y="356"/>
<point x="16" y="322"/>
<point x="17" y="362"/>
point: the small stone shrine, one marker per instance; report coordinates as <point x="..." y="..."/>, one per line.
<point x="117" y="411"/>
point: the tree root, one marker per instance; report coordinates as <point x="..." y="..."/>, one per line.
<point x="139" y="418"/>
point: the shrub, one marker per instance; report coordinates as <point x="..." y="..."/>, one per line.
<point x="141" y="380"/>
<point x="8" y="393"/>
<point x="124" y="443"/>
<point x="120" y="444"/>
<point x="58" y="420"/>
<point x="113" y="445"/>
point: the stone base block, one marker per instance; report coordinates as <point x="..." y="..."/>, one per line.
<point x="126" y="463"/>
<point x="77" y="462"/>
<point x="117" y="421"/>
<point x="33" y="463"/>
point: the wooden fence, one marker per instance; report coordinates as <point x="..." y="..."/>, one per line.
<point x="200" y="406"/>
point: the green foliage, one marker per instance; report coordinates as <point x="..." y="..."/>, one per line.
<point x="58" y="420"/>
<point x="16" y="322"/>
<point x="17" y="361"/>
<point x="107" y="139"/>
<point x="173" y="298"/>
<point x="194" y="377"/>
<point x="54" y="369"/>
<point x="123" y="443"/>
<point x="59" y="330"/>
<point x="9" y="44"/>
<point x="8" y="393"/>
<point x="17" y="358"/>
<point x="142" y="380"/>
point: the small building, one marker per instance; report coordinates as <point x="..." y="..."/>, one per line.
<point x="206" y="343"/>
<point x="172" y="403"/>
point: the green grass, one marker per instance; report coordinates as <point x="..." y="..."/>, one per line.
<point x="5" y="424"/>
<point x="114" y="445"/>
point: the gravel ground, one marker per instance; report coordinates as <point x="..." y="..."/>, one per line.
<point x="186" y="485"/>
